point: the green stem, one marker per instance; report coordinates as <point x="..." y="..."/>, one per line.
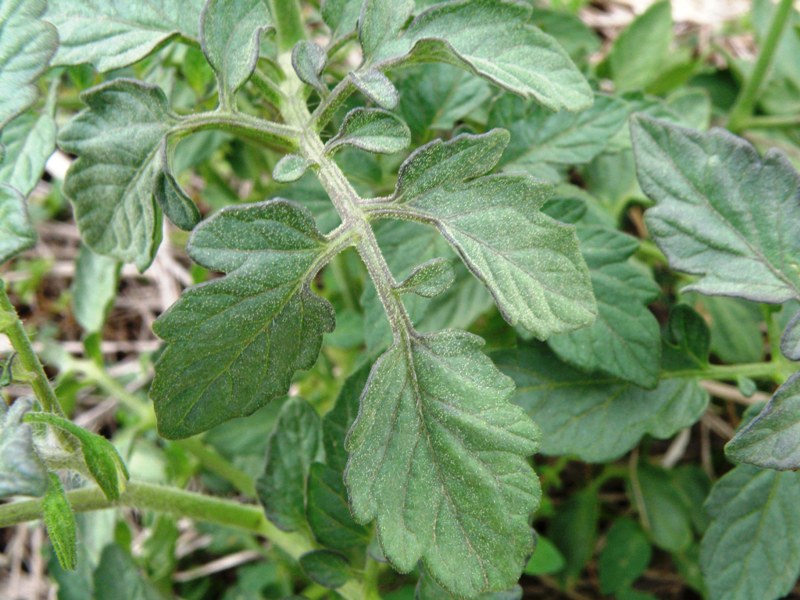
<point x="762" y="370"/>
<point x="289" y="23"/>
<point x="746" y="101"/>
<point x="325" y="111"/>
<point x="261" y="130"/>
<point x="776" y="121"/>
<point x="11" y="325"/>
<point x="214" y="462"/>
<point x="370" y="579"/>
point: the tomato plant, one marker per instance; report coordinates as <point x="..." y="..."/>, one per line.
<point x="405" y="252"/>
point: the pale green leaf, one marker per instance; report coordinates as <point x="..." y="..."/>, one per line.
<point x="230" y="33"/>
<point x="22" y="472"/>
<point x="772" y="439"/>
<point x="373" y="130"/>
<point x="94" y="289"/>
<point x="437" y="442"/>
<point x="530" y="263"/>
<point x="721" y="212"/>
<point x="625" y="340"/>
<point x="26" y="47"/>
<point x="596" y="418"/>
<point x="234" y="343"/>
<point x="376" y="87"/>
<point x="29" y="142"/>
<point x="295" y="443"/>
<point x="59" y="520"/>
<point x="752" y="547"/>
<point x="308" y="61"/>
<point x="790" y="340"/>
<point x="380" y="22"/>
<point x="111" y="184"/>
<point x="110" y="35"/>
<point x="541" y="138"/>
<point x="492" y="38"/>
<point x="289" y="168"/>
<point x="429" y="279"/>
<point x="118" y="576"/>
<point x="16" y="232"/>
<point x="341" y="16"/>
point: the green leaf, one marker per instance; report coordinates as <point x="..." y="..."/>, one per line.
<point x="790" y="340"/>
<point x="530" y="263"/>
<point x="772" y="439"/>
<point x="596" y="418"/>
<point x="573" y="529"/>
<point x="752" y="547"/>
<point x="117" y="576"/>
<point x="429" y="279"/>
<point x="111" y="184"/>
<point x="295" y="443"/>
<point x="94" y="289"/>
<point x="373" y="130"/>
<point x="339" y="419"/>
<point x="308" y="61"/>
<point x="230" y="33"/>
<point x="29" y="142"/>
<point x="22" y="472"/>
<point x="111" y="35"/>
<point x="494" y="39"/>
<point x="625" y="556"/>
<point x="640" y="53"/>
<point x="688" y="332"/>
<point x="376" y="87"/>
<point x="706" y="219"/>
<point x="625" y="340"/>
<point x="542" y="140"/>
<point x="380" y="22"/>
<point x="289" y="168"/>
<point x="735" y="327"/>
<point x="176" y="204"/>
<point x="59" y="520"/>
<point x="328" y="513"/>
<point x="546" y="559"/>
<point x="662" y="510"/>
<point x="26" y="48"/>
<point x="328" y="569"/>
<point x="16" y="232"/>
<point x="430" y="589"/>
<point x="437" y="96"/>
<point x="341" y="16"/>
<point x="234" y="343"/>
<point x="437" y="442"/>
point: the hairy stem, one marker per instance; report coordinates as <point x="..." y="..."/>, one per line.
<point x="271" y="133"/>
<point x="215" y="463"/>
<point x="746" y="101"/>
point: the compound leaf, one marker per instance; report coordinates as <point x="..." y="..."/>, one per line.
<point x="373" y="130"/>
<point x="625" y="340"/>
<point x="530" y="263"/>
<point x="438" y="458"/>
<point x="29" y="142"/>
<point x="229" y="34"/>
<point x="234" y="343"/>
<point x="111" y="184"/>
<point x="494" y="39"/>
<point x="26" y="47"/>
<point x="21" y="470"/>
<point x="752" y="546"/>
<point x="16" y="232"/>
<point x="295" y="442"/>
<point x="772" y="439"/>
<point x="541" y="138"/>
<point x="721" y="212"/>
<point x="597" y="419"/>
<point x="111" y="35"/>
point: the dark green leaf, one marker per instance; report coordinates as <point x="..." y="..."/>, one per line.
<point x="429" y="279"/>
<point x="328" y="569"/>
<point x="338" y="421"/>
<point x="16" y="232"/>
<point x="530" y="263"/>
<point x="29" y="142"/>
<point x="625" y="340"/>
<point x="706" y="219"/>
<point x="59" y="520"/>
<point x="229" y="34"/>
<point x="437" y="442"/>
<point x="328" y="513"/>
<point x="772" y="439"/>
<point x="27" y="45"/>
<point x="295" y="443"/>
<point x="625" y="556"/>
<point x="376" y="87"/>
<point x="790" y="340"/>
<point x="495" y="40"/>
<point x="308" y="61"/>
<point x="546" y="559"/>
<point x="176" y="204"/>
<point x="573" y="529"/>
<point x="541" y="139"/>
<point x="662" y="510"/>
<point x="118" y="577"/>
<point x="110" y="35"/>
<point x="111" y="185"/>
<point x="234" y="343"/>
<point x="22" y="472"/>
<point x="735" y="327"/>
<point x="752" y="547"/>
<point x="93" y="289"/>
<point x="688" y="332"/>
<point x="596" y="418"/>
<point x="373" y="130"/>
<point x="289" y="168"/>
<point x="430" y="589"/>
